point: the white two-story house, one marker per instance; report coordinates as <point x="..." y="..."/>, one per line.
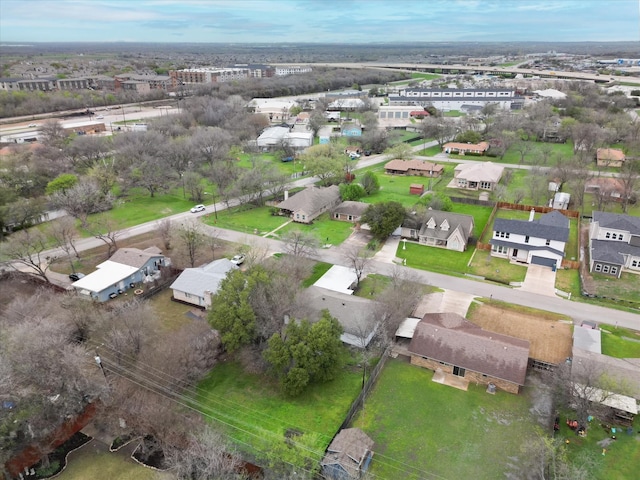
<point x="614" y="243"/>
<point x="540" y="242"/>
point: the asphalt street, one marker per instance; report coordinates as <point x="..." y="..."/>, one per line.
<point x="577" y="310"/>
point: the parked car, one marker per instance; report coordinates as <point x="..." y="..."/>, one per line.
<point x="238" y="259"/>
<point x="100" y="117"/>
<point x="367" y="153"/>
<point x="33" y="125"/>
<point x="287" y="159"/>
<point x="589" y="324"/>
<point x="198" y="208"/>
<point x="354" y="155"/>
<point x="76" y="276"/>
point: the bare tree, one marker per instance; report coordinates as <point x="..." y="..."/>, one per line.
<point x="629" y="175"/>
<point x="192" y="238"/>
<point x="358" y="259"/>
<point x="28" y="248"/>
<point x="64" y="233"/>
<point x="207" y="455"/>
<point x="165" y="231"/>
<point x="537" y="184"/>
<point x="105" y="228"/>
<point x="523" y="148"/>
<point x="212" y="240"/>
<point x="82" y="200"/>
<point x="300" y="244"/>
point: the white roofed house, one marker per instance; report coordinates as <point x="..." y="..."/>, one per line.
<point x="126" y="268"/>
<point x="196" y="286"/>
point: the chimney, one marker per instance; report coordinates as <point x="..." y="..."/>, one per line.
<point x="531" y="214"/>
<point x="286" y="194"/>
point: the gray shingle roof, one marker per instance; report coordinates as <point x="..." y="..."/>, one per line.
<point x="133" y="257"/>
<point x="197" y="281"/>
<point x="551" y="226"/>
<point x="618" y="221"/>
<point x="450" y="338"/>
<point x="349" y="448"/>
<point x="311" y="199"/>
<point x="349" y="207"/>
<point x="611" y="252"/>
<point x="455" y="220"/>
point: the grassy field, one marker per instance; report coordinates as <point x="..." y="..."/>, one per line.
<point x="496" y="269"/>
<point x="620" y="342"/>
<point x="319" y="269"/>
<point x="424" y="430"/>
<point x="434" y="259"/>
<point x="513" y="157"/>
<point x="326" y="230"/>
<point x="99" y="464"/>
<point x="247" y="219"/>
<point x="618" y="291"/>
<point x="253" y="411"/>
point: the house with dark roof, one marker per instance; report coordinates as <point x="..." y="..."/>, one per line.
<point x="439" y="229"/>
<point x="476" y="176"/>
<point x="310" y="203"/>
<point x="614" y="243"/>
<point x="348" y="455"/>
<point x="540" y="242"/>
<point x="413" y="167"/>
<point x="350" y="211"/>
<point x="126" y="268"/>
<point x="449" y="343"/>
<point x="196" y="286"/>
<point x="355" y="314"/>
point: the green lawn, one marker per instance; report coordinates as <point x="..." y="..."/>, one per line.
<point x="620" y="342"/>
<point x="620" y="291"/>
<point x="88" y="463"/>
<point x="434" y="259"/>
<point x="496" y="269"/>
<point x="568" y="280"/>
<point x="326" y="230"/>
<point x="513" y="157"/>
<point x="424" y="430"/>
<point x="247" y="219"/>
<point x="254" y="413"/>
<point x="424" y="76"/>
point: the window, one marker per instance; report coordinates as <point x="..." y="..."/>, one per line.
<point x="608" y="235"/>
<point x="350" y="217"/>
<point x="548" y="242"/>
<point x="614" y="270"/>
<point x="502" y="234"/>
<point x="614" y="236"/>
<point x="635" y="263"/>
<point x="336" y="215"/>
<point x="526" y="239"/>
<point x="621" y="237"/>
<point x="598" y="267"/>
<point x="605" y="269"/>
<point x="499" y="249"/>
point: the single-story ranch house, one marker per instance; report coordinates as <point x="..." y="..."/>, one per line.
<point x="310" y="203"/>
<point x="197" y="285"/>
<point x="609" y="157"/>
<point x="350" y="211"/>
<point x="413" y="167"/>
<point x="614" y="243"/>
<point x="462" y="148"/>
<point x="439" y="229"/>
<point x="477" y="176"/>
<point x="449" y="343"/>
<point x="125" y="268"/>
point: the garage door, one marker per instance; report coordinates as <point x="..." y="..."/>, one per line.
<point x="546" y="262"/>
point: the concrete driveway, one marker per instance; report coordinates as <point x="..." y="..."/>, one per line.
<point x="540" y="280"/>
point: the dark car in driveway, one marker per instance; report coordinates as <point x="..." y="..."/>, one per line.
<point x="76" y="276"/>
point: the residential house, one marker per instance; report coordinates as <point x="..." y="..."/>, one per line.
<point x="539" y="242"/>
<point x="349" y="211"/>
<point x="614" y="243"/>
<point x="609" y="157"/>
<point x="305" y="206"/>
<point x="413" y="167"/>
<point x="463" y="148"/>
<point x="197" y="285"/>
<point x="439" y="229"/>
<point x="126" y="268"/>
<point x="449" y="343"/>
<point x="477" y="176"/>
<point x="350" y="129"/>
<point x="348" y="455"/>
<point x="355" y="314"/>
<point x="606" y="188"/>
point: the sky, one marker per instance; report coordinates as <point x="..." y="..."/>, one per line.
<point x="318" y="21"/>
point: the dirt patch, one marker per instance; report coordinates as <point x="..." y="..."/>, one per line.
<point x="550" y="340"/>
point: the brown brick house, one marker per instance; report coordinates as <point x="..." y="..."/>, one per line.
<point x="450" y="343"/>
<point x="413" y="167"/>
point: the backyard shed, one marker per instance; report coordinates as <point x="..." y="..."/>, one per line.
<point x="416" y="189"/>
<point x="348" y="455"/>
